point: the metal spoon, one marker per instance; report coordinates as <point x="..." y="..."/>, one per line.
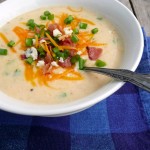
<point x="140" y="80"/>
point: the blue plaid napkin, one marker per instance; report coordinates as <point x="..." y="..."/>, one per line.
<point x="121" y="122"/>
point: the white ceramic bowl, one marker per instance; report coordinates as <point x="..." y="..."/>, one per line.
<point x="114" y="11"/>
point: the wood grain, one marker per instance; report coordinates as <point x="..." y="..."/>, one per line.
<point x="126" y="3"/>
<point x="142" y="9"/>
<point x="2" y="1"/>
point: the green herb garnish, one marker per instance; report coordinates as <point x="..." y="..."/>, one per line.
<point x="43" y="17"/>
<point x="63" y="95"/>
<point x="3" y="51"/>
<point x="55" y="50"/>
<point x="81" y="63"/>
<point x="11" y="43"/>
<point x="75" y="59"/>
<point x="74" y="38"/>
<point x="31" y="24"/>
<point x="94" y="31"/>
<point x="29" y="60"/>
<point x="17" y="72"/>
<point x="100" y="63"/>
<point x="29" y="42"/>
<point x="83" y="25"/>
<point x="100" y="18"/>
<point x="68" y="20"/>
<point x="76" y="31"/>
<point x="47" y="13"/>
<point x="51" y="17"/>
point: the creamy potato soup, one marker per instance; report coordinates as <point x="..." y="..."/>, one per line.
<point x="43" y="54"/>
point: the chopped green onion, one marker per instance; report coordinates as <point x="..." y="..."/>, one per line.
<point x="100" y="18"/>
<point x="29" y="42"/>
<point x="83" y="25"/>
<point x="46" y="32"/>
<point x="55" y="50"/>
<point x="55" y="58"/>
<point x="11" y="44"/>
<point x="68" y="20"/>
<point x="31" y="24"/>
<point x="74" y="59"/>
<point x="51" y="17"/>
<point x="81" y="63"/>
<point x="76" y="31"/>
<point x="40" y="49"/>
<point x="38" y="35"/>
<point x="3" y="51"/>
<point x="47" y="13"/>
<point x="100" y="63"/>
<point x="94" y="31"/>
<point x="43" y="17"/>
<point x="74" y="38"/>
<point x="42" y="54"/>
<point x="63" y="95"/>
<point x="42" y="26"/>
<point x="17" y="72"/>
<point x="66" y="53"/>
<point x="60" y="54"/>
<point x="29" y="60"/>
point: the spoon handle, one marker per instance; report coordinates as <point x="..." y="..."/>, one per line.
<point x="140" y="80"/>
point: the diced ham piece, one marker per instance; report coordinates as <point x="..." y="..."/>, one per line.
<point x="94" y="53"/>
<point x="48" y="59"/>
<point x="66" y="63"/>
<point x="67" y="42"/>
<point x="52" y="27"/>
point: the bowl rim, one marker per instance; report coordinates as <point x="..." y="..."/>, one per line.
<point x="71" y="109"/>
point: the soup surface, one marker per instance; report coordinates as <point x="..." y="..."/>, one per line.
<point x="48" y="46"/>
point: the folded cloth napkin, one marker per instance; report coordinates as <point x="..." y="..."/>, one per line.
<point x="121" y="122"/>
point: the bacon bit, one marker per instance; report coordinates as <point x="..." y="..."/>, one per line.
<point x="73" y="52"/>
<point x="67" y="42"/>
<point x="66" y="63"/>
<point x="37" y="30"/>
<point x="74" y="10"/>
<point x="54" y="26"/>
<point x="23" y="57"/>
<point x="94" y="53"/>
<point x="47" y="69"/>
<point x="48" y="59"/>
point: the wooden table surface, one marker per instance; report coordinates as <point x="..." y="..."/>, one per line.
<point x="140" y="8"/>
